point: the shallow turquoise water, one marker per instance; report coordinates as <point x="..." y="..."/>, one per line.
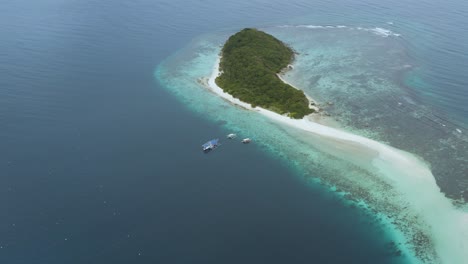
<point x="180" y="74"/>
<point x="361" y="71"/>
<point x="365" y="78"/>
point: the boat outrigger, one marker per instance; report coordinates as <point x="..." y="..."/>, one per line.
<point x="231" y="136"/>
<point x="210" y="145"/>
<point x="246" y="140"/>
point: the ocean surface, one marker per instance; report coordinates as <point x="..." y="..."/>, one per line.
<point x="103" y="111"/>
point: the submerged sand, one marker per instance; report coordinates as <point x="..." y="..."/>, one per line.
<point x="447" y="227"/>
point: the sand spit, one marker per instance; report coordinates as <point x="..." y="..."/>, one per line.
<point x="445" y="226"/>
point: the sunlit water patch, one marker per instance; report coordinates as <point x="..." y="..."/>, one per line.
<point x="349" y="171"/>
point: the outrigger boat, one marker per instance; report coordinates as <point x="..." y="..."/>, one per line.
<point x="231" y="136"/>
<point x="246" y="140"/>
<point x="210" y="145"/>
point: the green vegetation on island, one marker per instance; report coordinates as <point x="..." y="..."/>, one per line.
<point x="251" y="60"/>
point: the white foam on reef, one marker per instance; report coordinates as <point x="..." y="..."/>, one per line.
<point x="445" y="225"/>
<point x="383" y="32"/>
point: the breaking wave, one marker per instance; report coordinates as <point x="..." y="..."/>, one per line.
<point x="383" y="32"/>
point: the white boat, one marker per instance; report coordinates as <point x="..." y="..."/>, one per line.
<point x="231" y="136"/>
<point x="246" y="140"/>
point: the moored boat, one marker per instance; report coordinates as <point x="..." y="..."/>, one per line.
<point x="210" y="145"/>
<point x="246" y="140"/>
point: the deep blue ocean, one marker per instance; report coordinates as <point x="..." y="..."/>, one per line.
<point x="99" y="163"/>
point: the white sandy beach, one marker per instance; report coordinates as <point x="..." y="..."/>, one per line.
<point x="386" y="153"/>
<point x="407" y="173"/>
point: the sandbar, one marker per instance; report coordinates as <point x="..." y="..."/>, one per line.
<point x="408" y="174"/>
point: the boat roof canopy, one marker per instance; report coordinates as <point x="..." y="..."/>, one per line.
<point x="211" y="143"/>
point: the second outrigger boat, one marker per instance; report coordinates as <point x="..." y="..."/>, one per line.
<point x="246" y="140"/>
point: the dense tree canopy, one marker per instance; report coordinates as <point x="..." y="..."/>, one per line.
<point x="249" y="64"/>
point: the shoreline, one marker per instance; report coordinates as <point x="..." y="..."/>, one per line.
<point x="317" y="117"/>
<point x="405" y="172"/>
<point x="306" y="123"/>
<point x="312" y="102"/>
<point x="333" y="134"/>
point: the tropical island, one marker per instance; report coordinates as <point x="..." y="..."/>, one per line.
<point x="250" y="63"/>
<point x="424" y="224"/>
